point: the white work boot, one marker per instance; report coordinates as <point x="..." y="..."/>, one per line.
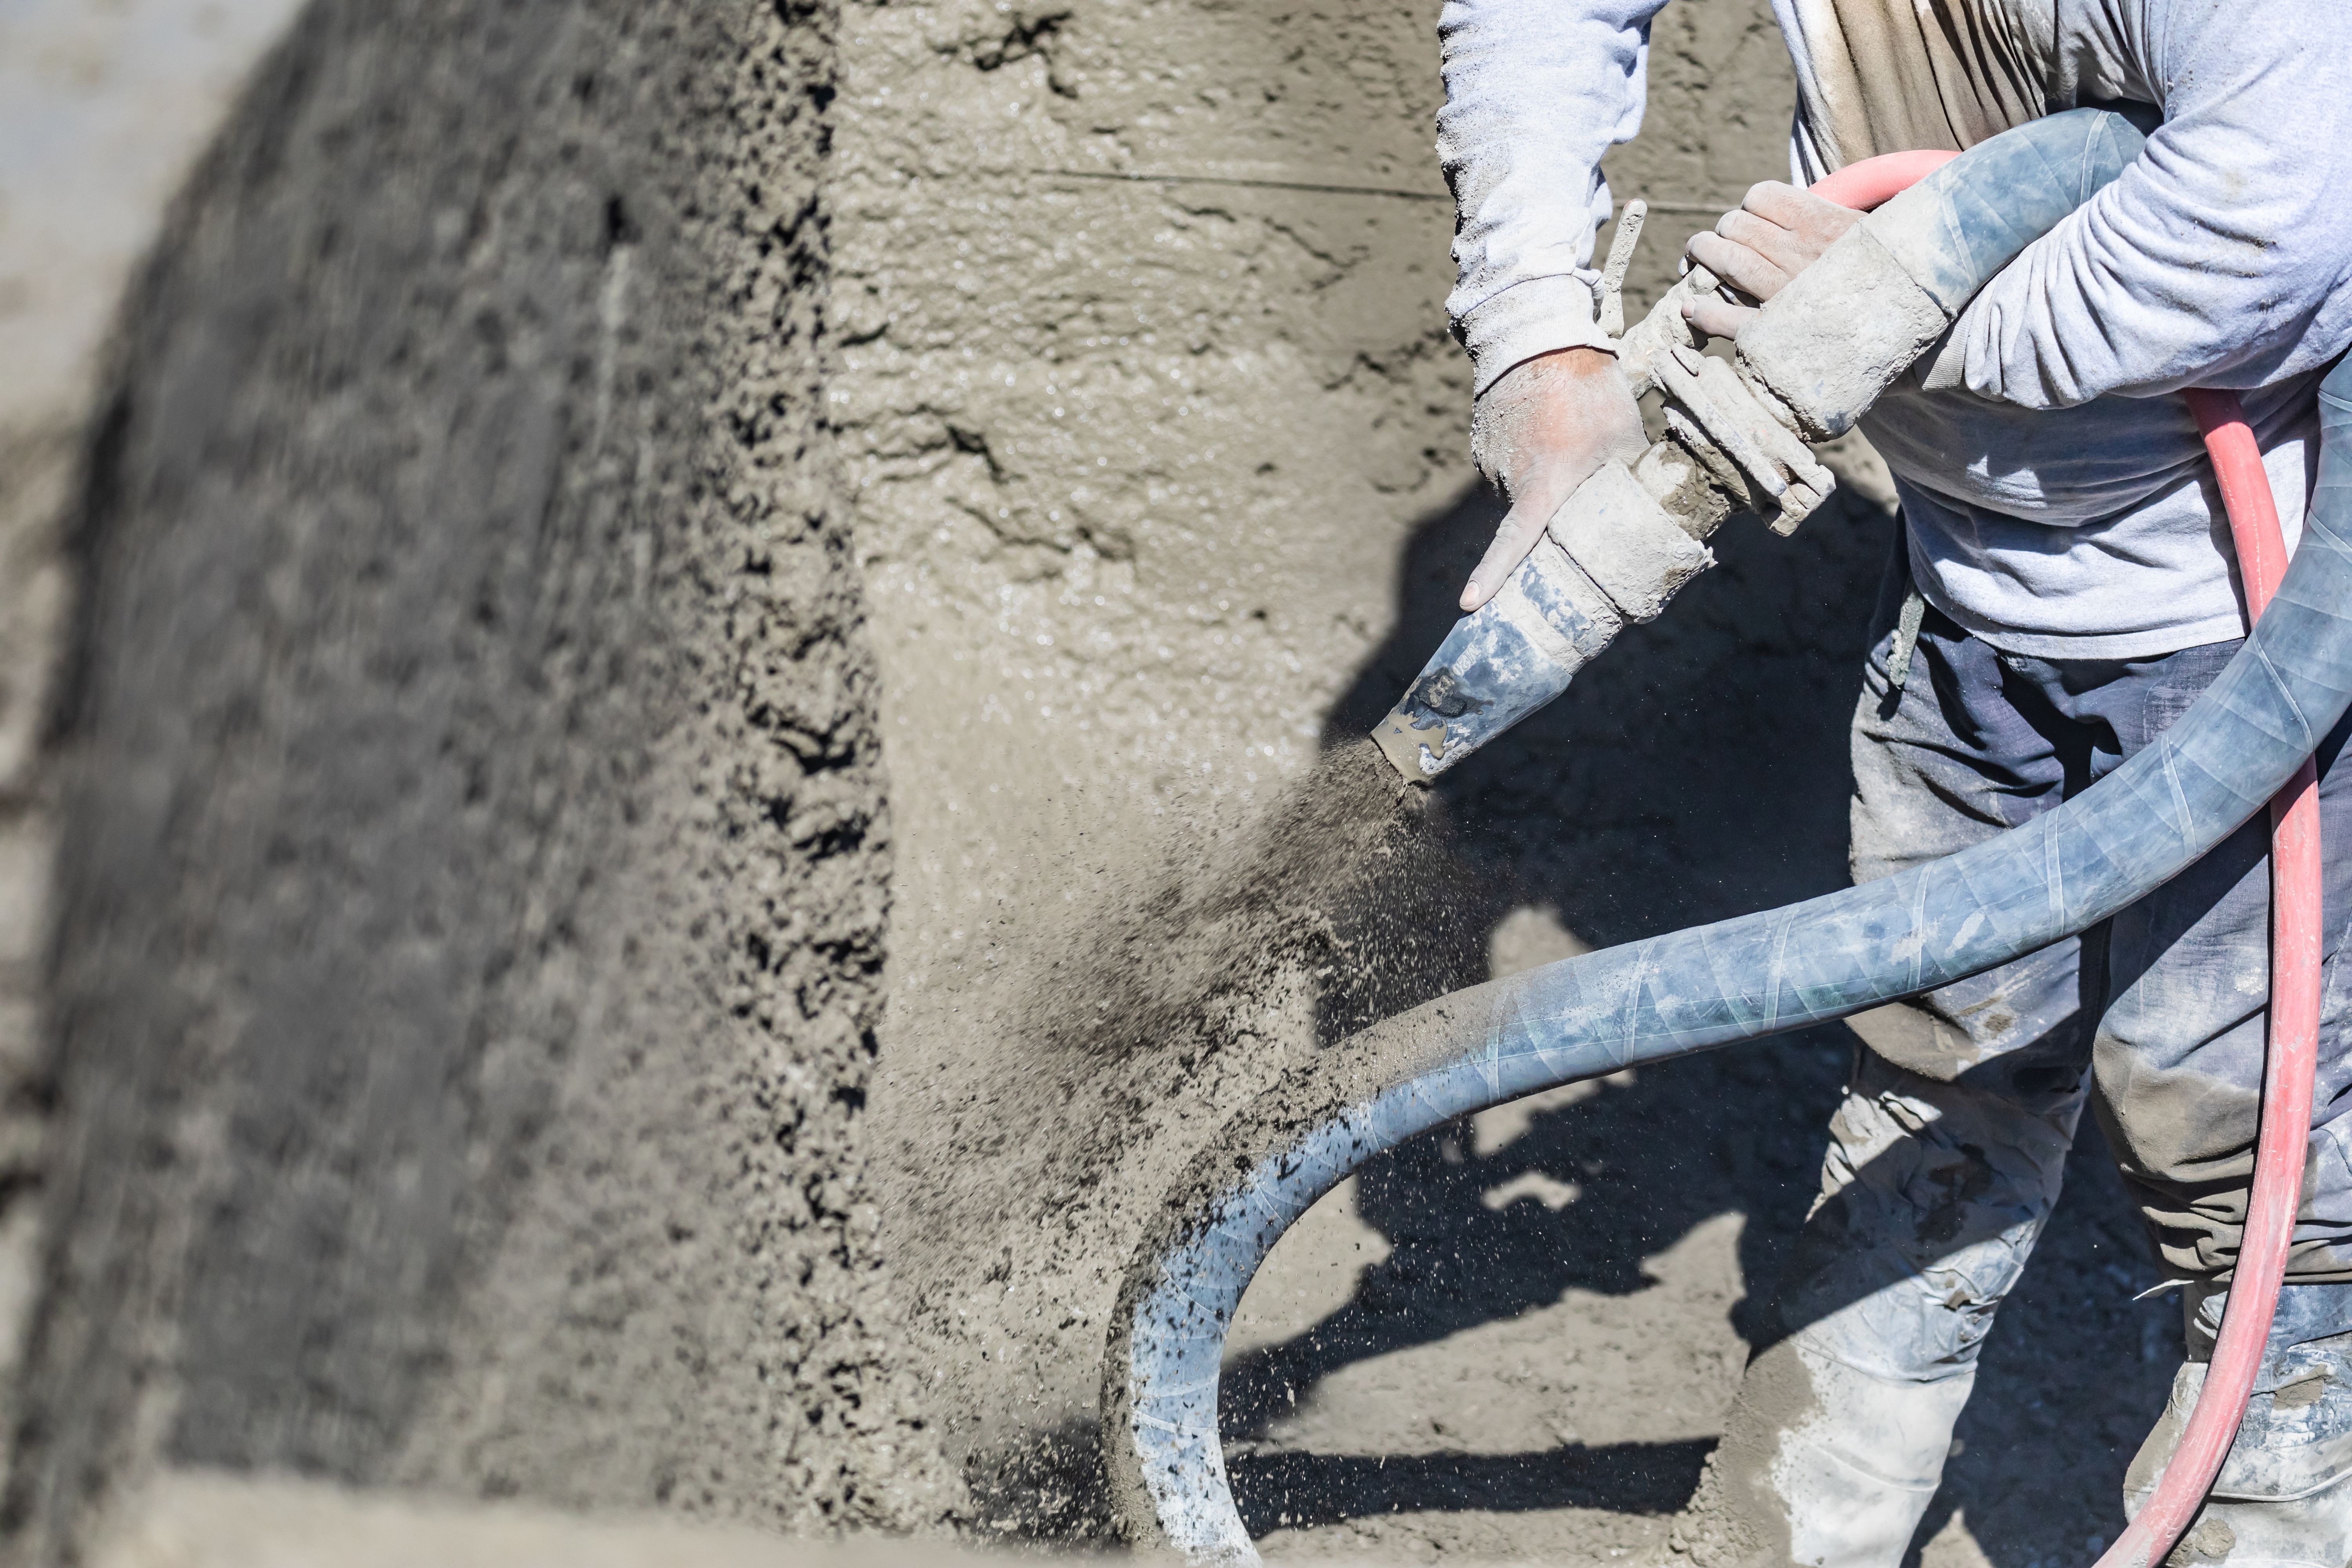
<point x="2283" y="1499"/>
<point x="1857" y="1474"/>
<point x="1824" y="1466"/>
<point x="1932" y="1197"/>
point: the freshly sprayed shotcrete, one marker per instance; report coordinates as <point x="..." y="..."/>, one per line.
<point x="102" y="110"/>
<point x="472" y="896"/>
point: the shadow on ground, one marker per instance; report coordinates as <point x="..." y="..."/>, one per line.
<point x="1279" y="1490"/>
<point x="1698" y="771"/>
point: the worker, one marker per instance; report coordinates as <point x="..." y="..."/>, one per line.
<point x="2061" y="590"/>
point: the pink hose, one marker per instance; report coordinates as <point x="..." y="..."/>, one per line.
<point x="1864" y="186"/>
<point x="2294" y="1057"/>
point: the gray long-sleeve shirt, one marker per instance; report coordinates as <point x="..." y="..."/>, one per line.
<point x="2060" y="505"/>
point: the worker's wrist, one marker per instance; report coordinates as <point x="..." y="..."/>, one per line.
<point x="1540" y="316"/>
<point x="1579" y="361"/>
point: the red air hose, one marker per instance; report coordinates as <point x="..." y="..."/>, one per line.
<point x="1864" y="186"/>
<point x="2294" y="1055"/>
<point x="2294" y="997"/>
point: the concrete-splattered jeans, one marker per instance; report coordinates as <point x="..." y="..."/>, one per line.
<point x="1946" y="1155"/>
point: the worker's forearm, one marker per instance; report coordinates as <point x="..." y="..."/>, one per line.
<point x="1536" y="92"/>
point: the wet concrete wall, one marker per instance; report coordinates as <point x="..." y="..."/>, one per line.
<point x="470" y="942"/>
<point x="102" y="110"/>
<point x="471" y="900"/>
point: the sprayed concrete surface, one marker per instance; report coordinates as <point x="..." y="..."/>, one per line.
<point x="471" y="891"/>
<point x="102" y="110"/>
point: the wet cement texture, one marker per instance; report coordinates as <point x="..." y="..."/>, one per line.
<point x="1159" y="444"/>
<point x="472" y="888"/>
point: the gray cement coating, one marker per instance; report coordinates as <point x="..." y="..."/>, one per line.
<point x="102" y="110"/>
<point x="471" y="896"/>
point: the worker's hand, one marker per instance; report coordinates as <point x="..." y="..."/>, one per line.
<point x="1775" y="233"/>
<point x="1542" y="429"/>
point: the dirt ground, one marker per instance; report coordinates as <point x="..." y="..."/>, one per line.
<point x="1462" y="1353"/>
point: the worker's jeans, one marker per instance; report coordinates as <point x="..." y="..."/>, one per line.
<point x="1947" y="1153"/>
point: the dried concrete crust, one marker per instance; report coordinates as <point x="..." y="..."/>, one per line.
<point x="472" y="890"/>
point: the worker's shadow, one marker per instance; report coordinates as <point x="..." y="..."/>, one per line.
<point x="1697" y="771"/>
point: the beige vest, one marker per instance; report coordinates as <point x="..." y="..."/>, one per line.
<point x="1891" y="76"/>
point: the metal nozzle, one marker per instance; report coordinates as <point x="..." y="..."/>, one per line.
<point x="1415" y="748"/>
<point x="1610" y="554"/>
<point x="1618" y="548"/>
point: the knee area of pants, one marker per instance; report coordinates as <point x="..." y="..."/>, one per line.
<point x="2021" y="1145"/>
<point x="1930" y="1203"/>
<point x="1878" y="1316"/>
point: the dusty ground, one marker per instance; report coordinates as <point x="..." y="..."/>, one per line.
<point x="1456" y="1356"/>
<point x="197" y="1519"/>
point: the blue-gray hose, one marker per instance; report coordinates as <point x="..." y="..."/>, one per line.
<point x="1690" y="991"/>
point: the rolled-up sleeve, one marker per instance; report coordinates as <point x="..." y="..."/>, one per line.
<point x="2221" y="257"/>
<point x="1536" y="92"/>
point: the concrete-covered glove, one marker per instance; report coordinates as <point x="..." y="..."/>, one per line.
<point x="1776" y="232"/>
<point x="1543" y="428"/>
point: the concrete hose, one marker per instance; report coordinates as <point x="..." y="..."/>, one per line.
<point x="1689" y="990"/>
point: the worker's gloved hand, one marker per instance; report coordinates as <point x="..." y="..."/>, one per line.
<point x="1543" y="428"/>
<point x="1775" y="233"/>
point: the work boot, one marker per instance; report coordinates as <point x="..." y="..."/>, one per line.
<point x="1822" y="1465"/>
<point x="2283" y="1499"/>
<point x="1933" y="1195"/>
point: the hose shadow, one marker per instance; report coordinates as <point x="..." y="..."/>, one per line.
<point x="1292" y="1490"/>
<point x="1647" y="1160"/>
<point x="1696" y="772"/>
